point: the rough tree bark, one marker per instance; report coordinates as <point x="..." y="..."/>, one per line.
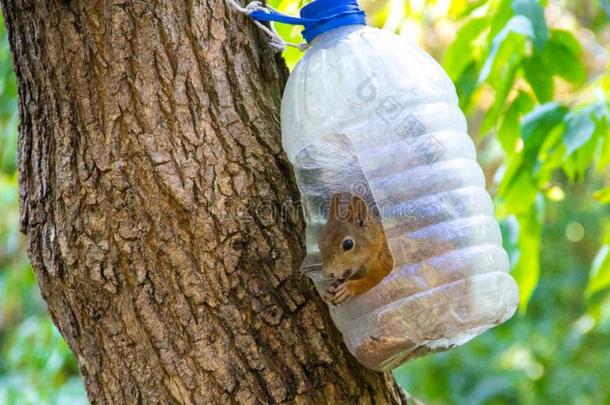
<point x="150" y="166"/>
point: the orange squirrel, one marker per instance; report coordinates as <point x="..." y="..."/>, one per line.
<point x="353" y="249"/>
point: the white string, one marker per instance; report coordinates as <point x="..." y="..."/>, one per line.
<point x="276" y="41"/>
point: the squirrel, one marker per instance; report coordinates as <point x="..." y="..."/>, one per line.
<point x="353" y="249"/>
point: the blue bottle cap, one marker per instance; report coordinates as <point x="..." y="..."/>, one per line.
<point x="330" y="14"/>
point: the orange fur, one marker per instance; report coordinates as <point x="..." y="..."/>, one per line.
<point x="361" y="267"/>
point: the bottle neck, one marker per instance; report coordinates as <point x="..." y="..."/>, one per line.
<point x="345" y="29"/>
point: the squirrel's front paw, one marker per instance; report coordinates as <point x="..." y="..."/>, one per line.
<point x="329" y="294"/>
<point x="343" y="291"/>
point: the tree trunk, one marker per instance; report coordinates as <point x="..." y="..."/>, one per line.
<point x="159" y="207"/>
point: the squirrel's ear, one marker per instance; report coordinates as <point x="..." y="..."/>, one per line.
<point x="358" y="211"/>
<point x="333" y="210"/>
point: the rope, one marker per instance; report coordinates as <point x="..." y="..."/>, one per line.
<point x="275" y="40"/>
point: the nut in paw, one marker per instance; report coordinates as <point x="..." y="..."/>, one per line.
<point x="344" y="291"/>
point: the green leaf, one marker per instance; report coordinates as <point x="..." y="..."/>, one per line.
<point x="503" y="88"/>
<point x="532" y="9"/>
<point x="466" y="85"/>
<point x="509" y="227"/>
<point x="519" y="194"/>
<point x="604" y="152"/>
<point x="519" y="184"/>
<point x="577" y="165"/>
<point x="602" y="195"/>
<point x="509" y="130"/>
<point x="552" y="153"/>
<point x="501" y="12"/>
<point x="526" y="270"/>
<point x="579" y="129"/>
<point x="599" y="276"/>
<point x="461" y="8"/>
<point x="538" y="73"/>
<point x="512" y="169"/>
<point x="563" y="46"/>
<point x="508" y="45"/>
<point x="501" y="66"/>
<point x="539" y="123"/>
<point x="459" y="54"/>
<point x="582" y="124"/>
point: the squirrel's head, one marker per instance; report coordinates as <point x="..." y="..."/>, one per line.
<point x="350" y="239"/>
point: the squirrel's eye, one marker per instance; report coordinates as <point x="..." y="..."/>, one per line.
<point x="348" y="244"/>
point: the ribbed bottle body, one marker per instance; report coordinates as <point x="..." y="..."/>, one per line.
<point x="366" y="112"/>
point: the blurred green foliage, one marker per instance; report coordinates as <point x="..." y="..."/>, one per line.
<point x="533" y="78"/>
<point x="555" y="353"/>
<point x="36" y="366"/>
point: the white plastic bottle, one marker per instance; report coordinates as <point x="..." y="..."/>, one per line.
<point x="367" y="97"/>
